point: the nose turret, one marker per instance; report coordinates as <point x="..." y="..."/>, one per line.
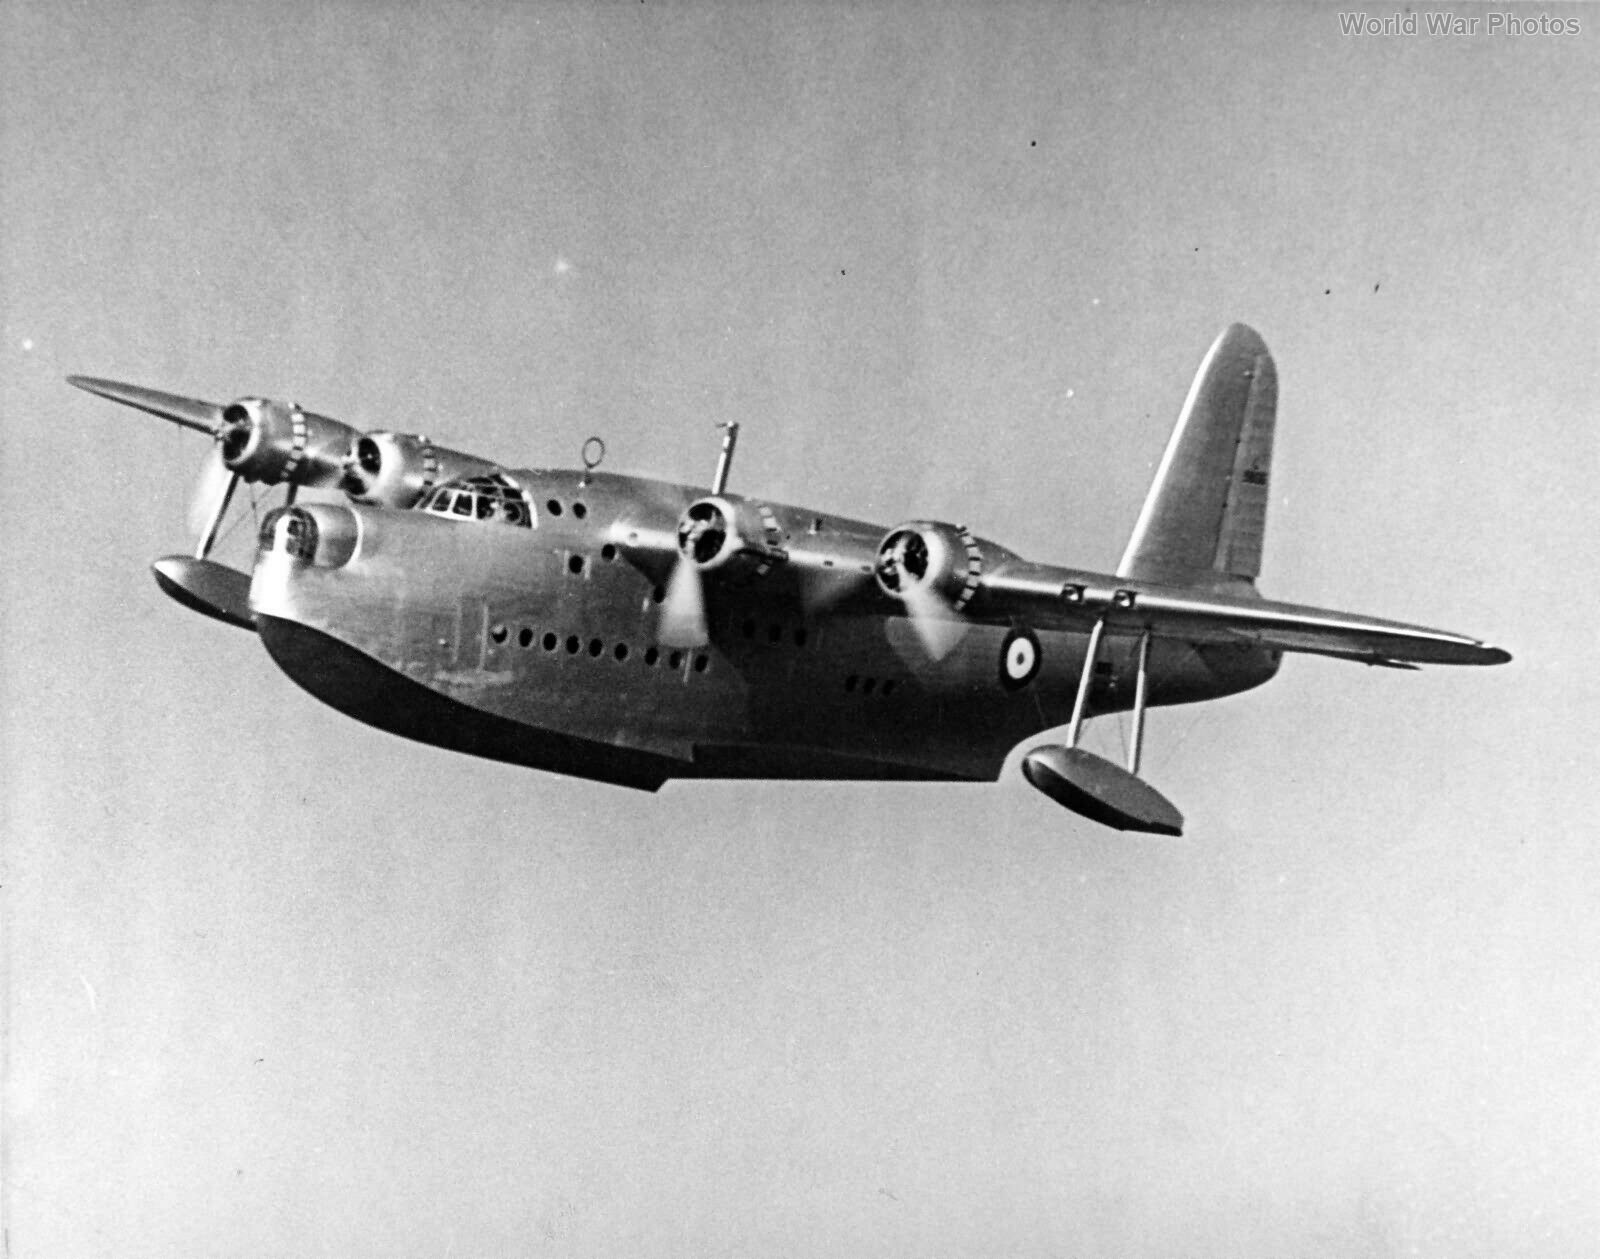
<point x="323" y="534"/>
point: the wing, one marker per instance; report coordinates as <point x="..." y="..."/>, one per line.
<point x="1061" y="599"/>
<point x="786" y="555"/>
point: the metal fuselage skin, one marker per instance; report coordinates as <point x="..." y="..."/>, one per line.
<point x="540" y="647"/>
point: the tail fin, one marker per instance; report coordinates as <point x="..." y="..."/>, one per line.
<point x="1206" y="513"/>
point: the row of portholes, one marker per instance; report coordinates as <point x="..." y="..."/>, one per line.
<point x="855" y="684"/>
<point x="775" y="631"/>
<point x="596" y="647"/>
<point x="553" y="506"/>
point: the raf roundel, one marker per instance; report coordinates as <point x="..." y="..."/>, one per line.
<point x="1019" y="659"/>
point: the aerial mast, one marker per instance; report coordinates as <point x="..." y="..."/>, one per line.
<point x="730" y="438"/>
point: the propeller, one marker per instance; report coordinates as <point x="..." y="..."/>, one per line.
<point x="702" y="532"/>
<point x="929" y="616"/>
<point x="213" y="491"/>
<point x="214" y="488"/>
<point x="259" y="440"/>
<point x="918" y="565"/>
<point x="683" y="611"/>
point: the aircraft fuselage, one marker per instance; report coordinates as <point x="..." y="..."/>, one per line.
<point x="541" y="646"/>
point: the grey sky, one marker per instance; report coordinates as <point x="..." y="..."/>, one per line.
<point x="278" y="983"/>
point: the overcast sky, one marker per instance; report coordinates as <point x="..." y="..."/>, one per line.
<point x="277" y="983"/>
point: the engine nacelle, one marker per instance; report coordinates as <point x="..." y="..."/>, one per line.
<point x="733" y="536"/>
<point x="398" y="469"/>
<point x="929" y="557"/>
<point x="275" y="442"/>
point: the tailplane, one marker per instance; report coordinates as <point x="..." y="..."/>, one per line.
<point x="1206" y="513"/>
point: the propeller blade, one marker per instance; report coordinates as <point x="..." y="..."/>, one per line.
<point x="209" y="502"/>
<point x="209" y="487"/>
<point x="936" y="631"/>
<point x="683" y="612"/>
<point x="204" y="417"/>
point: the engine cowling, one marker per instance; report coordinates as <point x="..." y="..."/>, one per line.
<point x="398" y="469"/>
<point x="925" y="558"/>
<point x="735" y="536"/>
<point x="275" y="442"/>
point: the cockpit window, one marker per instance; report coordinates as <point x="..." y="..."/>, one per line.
<point x="494" y="497"/>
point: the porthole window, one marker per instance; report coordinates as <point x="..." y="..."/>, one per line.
<point x="774" y="633"/>
<point x="596" y="647"/>
<point x="550" y="641"/>
<point x="608" y="552"/>
<point x="525" y="637"/>
<point x="579" y="510"/>
<point x="620" y="651"/>
<point x="701" y="663"/>
<point x="574" y="645"/>
<point x="498" y="633"/>
<point x="651" y="655"/>
<point x="553" y="507"/>
<point x="851" y="682"/>
<point x="868" y="685"/>
<point x="888" y="687"/>
<point x="575" y="564"/>
<point x="675" y="660"/>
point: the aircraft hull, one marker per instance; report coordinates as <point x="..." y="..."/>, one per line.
<point x="539" y="647"/>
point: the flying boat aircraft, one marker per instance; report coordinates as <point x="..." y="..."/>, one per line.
<point x="631" y="631"/>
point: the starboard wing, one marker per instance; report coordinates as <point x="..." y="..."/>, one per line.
<point x="1075" y="601"/>
<point x="1295" y="627"/>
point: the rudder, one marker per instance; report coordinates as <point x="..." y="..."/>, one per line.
<point x="1205" y="516"/>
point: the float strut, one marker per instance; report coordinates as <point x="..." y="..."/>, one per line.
<point x="1085" y="682"/>
<point x="1140" y="693"/>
